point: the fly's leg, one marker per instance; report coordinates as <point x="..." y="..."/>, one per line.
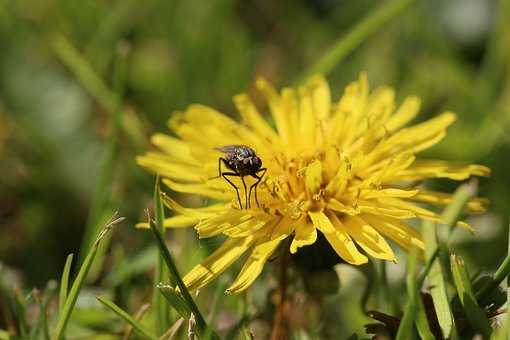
<point x="221" y="159"/>
<point x="233" y="174"/>
<point x="245" y="192"/>
<point x="254" y="185"/>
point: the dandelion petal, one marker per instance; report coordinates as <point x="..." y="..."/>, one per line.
<point x="306" y="234"/>
<point x="254" y="265"/>
<point x="368" y="238"/>
<point x="217" y="262"/>
<point x="338" y="238"/>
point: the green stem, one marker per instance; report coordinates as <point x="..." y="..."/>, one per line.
<point x="355" y="36"/>
<point x="160" y="307"/>
<point x="174" y="275"/>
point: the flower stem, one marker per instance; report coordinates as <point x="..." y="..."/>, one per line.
<point x="280" y="323"/>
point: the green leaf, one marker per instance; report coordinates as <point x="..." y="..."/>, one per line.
<point x="437" y="240"/>
<point x="202" y="326"/>
<point x="64" y="282"/>
<point x="68" y="307"/>
<point x="422" y="323"/>
<point x="385" y="301"/>
<point x="160" y="308"/>
<point x="452" y="212"/>
<point x="437" y="282"/>
<point x="175" y="300"/>
<point x="130" y="320"/>
<point x="474" y="313"/>
<point x="405" y="329"/>
<point x="426" y="269"/>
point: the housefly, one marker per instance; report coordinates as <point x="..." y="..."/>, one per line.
<point x="242" y="161"/>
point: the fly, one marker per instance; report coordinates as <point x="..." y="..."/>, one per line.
<point x="242" y="161"/>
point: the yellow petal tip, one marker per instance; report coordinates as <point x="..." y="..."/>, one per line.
<point x="142" y="225"/>
<point x="467" y="227"/>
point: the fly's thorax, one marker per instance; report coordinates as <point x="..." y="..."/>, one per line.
<point x="248" y="165"/>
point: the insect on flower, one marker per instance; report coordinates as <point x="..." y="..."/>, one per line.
<point x="243" y="161"/>
<point x="345" y="171"/>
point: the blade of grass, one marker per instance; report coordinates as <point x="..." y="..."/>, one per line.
<point x="84" y="72"/>
<point x="102" y="197"/>
<point x="64" y="282"/>
<point x="138" y="316"/>
<point x="174" y="274"/>
<point x="436" y="280"/>
<point x="384" y="297"/>
<point x="355" y="36"/>
<point x="64" y="316"/>
<point x="422" y="323"/>
<point x="160" y="308"/>
<point x="175" y="300"/>
<point x="438" y="240"/>
<point x="172" y="331"/>
<point x="128" y="318"/>
<point x="452" y="212"/>
<point x="474" y="313"/>
<point x="405" y="329"/>
<point x="426" y="269"/>
<point x="88" y="78"/>
<point x="449" y="217"/>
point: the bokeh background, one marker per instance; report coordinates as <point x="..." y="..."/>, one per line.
<point x="66" y="163"/>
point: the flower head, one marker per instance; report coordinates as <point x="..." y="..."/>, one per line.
<point x="346" y="169"/>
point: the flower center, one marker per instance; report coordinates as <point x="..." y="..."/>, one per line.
<point x="297" y="184"/>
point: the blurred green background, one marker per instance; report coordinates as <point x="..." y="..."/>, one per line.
<point x="64" y="65"/>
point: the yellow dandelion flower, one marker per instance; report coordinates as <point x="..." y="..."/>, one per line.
<point x="345" y="169"/>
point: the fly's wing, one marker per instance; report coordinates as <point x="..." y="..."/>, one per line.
<point x="230" y="148"/>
